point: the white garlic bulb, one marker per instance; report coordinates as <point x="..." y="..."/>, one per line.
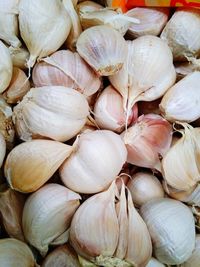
<point x="144" y="187"/>
<point x="55" y="112"/>
<point x="47" y="214"/>
<point x="97" y="159"/>
<point x="105" y="55"/>
<point x="6" y="67"/>
<point x="44" y="26"/>
<point x="182" y="33"/>
<point x="172" y="229"/>
<point x="144" y="77"/>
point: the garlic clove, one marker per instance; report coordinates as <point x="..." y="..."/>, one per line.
<point x="146" y="142"/>
<point x="11" y="207"/>
<point x="54" y="112"/>
<point x="185" y="68"/>
<point x="87" y="6"/>
<point x="29" y="165"/>
<point x="182" y="33"/>
<point x="105" y="57"/>
<point x="18" y="87"/>
<point x="68" y="69"/>
<point x="139" y="241"/>
<point x="44" y="27"/>
<point x="6" y="67"/>
<point x="2" y="149"/>
<point x="15" y="253"/>
<point x="19" y="57"/>
<point x="95" y="162"/>
<point x="152" y="21"/>
<point x="144" y="187"/>
<point x="195" y="258"/>
<point x="109" y="112"/>
<point x="154" y="263"/>
<point x="172" y="229"/>
<point x="47" y="214"/>
<point x="63" y="256"/>
<point x="182" y="101"/>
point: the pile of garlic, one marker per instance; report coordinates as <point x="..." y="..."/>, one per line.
<point x="99" y="135"/>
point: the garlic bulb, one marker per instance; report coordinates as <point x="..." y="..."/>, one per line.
<point x="180" y="165"/>
<point x="6" y="67"/>
<point x="44" y="26"/>
<point x="62" y="256"/>
<point x="182" y="101"/>
<point x="154" y="263"/>
<point x="194" y="260"/>
<point x="182" y="33"/>
<point x="105" y="57"/>
<point x="9" y="22"/>
<point x="109" y="112"/>
<point x="185" y="68"/>
<point x="148" y="140"/>
<point x="97" y="159"/>
<point x="144" y="77"/>
<point x="15" y="253"/>
<point x="152" y="21"/>
<point x="18" y="87"/>
<point x="6" y="124"/>
<point x="55" y="112"/>
<point x="172" y="229"/>
<point x="110" y="237"/>
<point x="2" y="149"/>
<point x="144" y="187"/>
<point x="68" y="69"/>
<point x="47" y="214"/>
<point x="19" y="57"/>
<point x="29" y="165"/>
<point x="11" y="207"/>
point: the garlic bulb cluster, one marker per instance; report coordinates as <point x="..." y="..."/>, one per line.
<point x="144" y="77"/>
<point x="97" y="159"/>
<point x="9" y="23"/>
<point x="62" y="256"/>
<point x="152" y="21"/>
<point x="6" y="67"/>
<point x="172" y="229"/>
<point x="19" y="57"/>
<point x="29" y="165"/>
<point x="16" y="253"/>
<point x="54" y="112"/>
<point x="111" y="231"/>
<point x="109" y="112"/>
<point x="68" y="69"/>
<point x="18" y="87"/>
<point x="47" y="214"/>
<point x="144" y="187"/>
<point x="195" y="258"/>
<point x="182" y="101"/>
<point x="105" y="57"/>
<point x="148" y="140"/>
<point x="182" y="34"/>
<point x="180" y="165"/>
<point x="44" y="26"/>
<point x="2" y="149"/>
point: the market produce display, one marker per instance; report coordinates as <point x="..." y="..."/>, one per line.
<point x="99" y="134"/>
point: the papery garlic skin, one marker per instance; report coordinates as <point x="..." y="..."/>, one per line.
<point x="182" y="101"/>
<point x="18" y="87"/>
<point x="96" y="161"/>
<point x="144" y="187"/>
<point x="195" y="258"/>
<point x="146" y="142"/>
<point x="152" y="21"/>
<point x="29" y="165"/>
<point x="109" y="112"/>
<point x="44" y="26"/>
<point x="182" y="33"/>
<point x="154" y="263"/>
<point x="19" y="57"/>
<point x="15" y="253"/>
<point x="172" y="229"/>
<point x="105" y="55"/>
<point x="9" y="22"/>
<point x="66" y="68"/>
<point x="6" y="67"/>
<point x="47" y="214"/>
<point x="2" y="149"/>
<point x="144" y="77"/>
<point x="55" y="112"/>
